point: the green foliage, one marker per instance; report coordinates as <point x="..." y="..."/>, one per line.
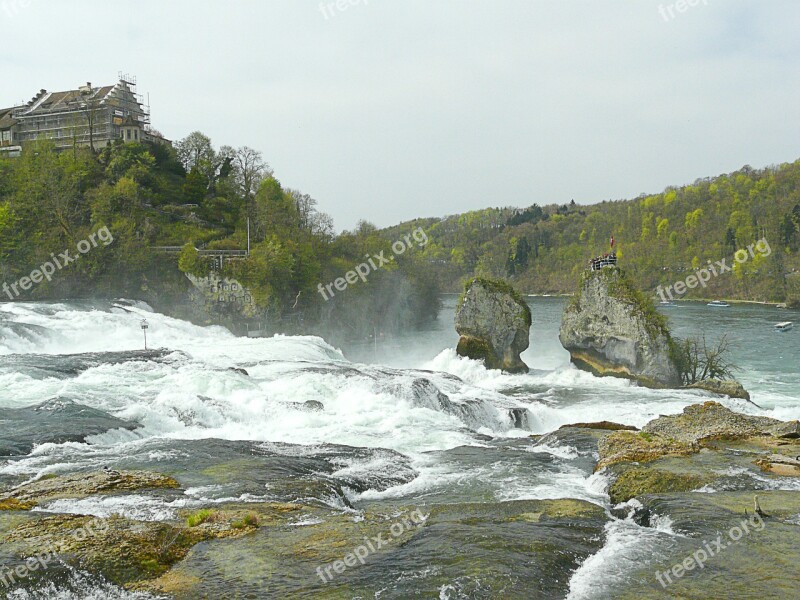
<point x="195" y="187"/>
<point x="659" y="237"/>
<point x="267" y="272"/>
<point x="250" y="520"/>
<point x="201" y="516"/>
<point x="500" y="287"/>
<point x="150" y="195"/>
<point x="474" y="348"/>
<point x="698" y="361"/>
<point x="190" y="261"/>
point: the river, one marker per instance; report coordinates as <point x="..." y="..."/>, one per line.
<point x="385" y="436"/>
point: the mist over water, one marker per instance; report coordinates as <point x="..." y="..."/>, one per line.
<point x="405" y="420"/>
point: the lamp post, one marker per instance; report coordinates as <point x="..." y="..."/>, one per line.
<point x="144" y="330"/>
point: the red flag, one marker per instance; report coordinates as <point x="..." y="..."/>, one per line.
<point x="612" y="240"/>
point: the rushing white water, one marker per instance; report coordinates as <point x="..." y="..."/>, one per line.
<point x="192" y="393"/>
<point x="429" y="402"/>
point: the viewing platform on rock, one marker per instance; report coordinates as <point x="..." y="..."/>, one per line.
<point x="601" y="262"/>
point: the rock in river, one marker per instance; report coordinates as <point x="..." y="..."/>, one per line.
<point x="611" y="329"/>
<point x="494" y="324"/>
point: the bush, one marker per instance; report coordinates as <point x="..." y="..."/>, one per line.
<point x="697" y="361"/>
<point x="190" y="261"/>
<point x="248" y="521"/>
<point x="201" y="516"/>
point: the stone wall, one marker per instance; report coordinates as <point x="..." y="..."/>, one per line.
<point x="216" y="295"/>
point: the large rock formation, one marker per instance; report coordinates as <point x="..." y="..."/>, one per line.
<point x="494" y="323"/>
<point x="612" y="329"/>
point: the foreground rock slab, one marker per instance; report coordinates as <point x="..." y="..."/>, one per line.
<point x="287" y="560"/>
<point x="732" y="389"/>
<point x="743" y="556"/>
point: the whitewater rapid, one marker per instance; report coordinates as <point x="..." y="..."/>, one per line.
<point x="426" y="406"/>
<point x="194" y="393"/>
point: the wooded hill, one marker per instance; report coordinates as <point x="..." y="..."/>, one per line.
<point x="195" y="195"/>
<point x="662" y="238"/>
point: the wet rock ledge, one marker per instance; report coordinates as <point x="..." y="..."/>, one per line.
<point x="703" y="473"/>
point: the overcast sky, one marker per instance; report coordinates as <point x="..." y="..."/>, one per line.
<point x="394" y="109"/>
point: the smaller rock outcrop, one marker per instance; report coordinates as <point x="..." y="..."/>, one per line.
<point x="494" y="324"/>
<point x="778" y="464"/>
<point x="730" y="388"/>
<point x="629" y="446"/>
<point x="601" y="425"/>
<point x="639" y="481"/>
<point x="81" y="485"/>
<point x="611" y="329"/>
<point x="701" y="422"/>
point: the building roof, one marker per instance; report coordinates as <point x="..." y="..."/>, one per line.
<point x="46" y="101"/>
<point x="6" y="118"/>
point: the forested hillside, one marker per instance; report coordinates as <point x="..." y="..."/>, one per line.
<point x="198" y="196"/>
<point x="662" y="238"/>
<point x="194" y="195"/>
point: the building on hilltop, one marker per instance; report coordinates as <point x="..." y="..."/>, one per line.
<point x="85" y="117"/>
<point x="9" y="144"/>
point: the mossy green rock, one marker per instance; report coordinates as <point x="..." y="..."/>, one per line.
<point x="762" y="563"/>
<point x="462" y="548"/>
<point x="612" y="329"/>
<point x="494" y="323"/>
<point x="637" y="482"/>
<point x="80" y="485"/>
<point x="122" y="550"/>
<point x="630" y="446"/>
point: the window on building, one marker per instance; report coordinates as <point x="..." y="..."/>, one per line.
<point x="128" y="133"/>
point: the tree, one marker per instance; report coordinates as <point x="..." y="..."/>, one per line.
<point x="91" y="110"/>
<point x="788" y="232"/>
<point x="698" y="361"/>
<point x="248" y="168"/>
<point x="190" y="261"/>
<point x="518" y="255"/>
<point x="730" y="238"/>
<point x="663" y="227"/>
<point x="274" y="211"/>
<point x="196" y="151"/>
<point x="309" y="218"/>
<point x="195" y="187"/>
<point x="692" y="219"/>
